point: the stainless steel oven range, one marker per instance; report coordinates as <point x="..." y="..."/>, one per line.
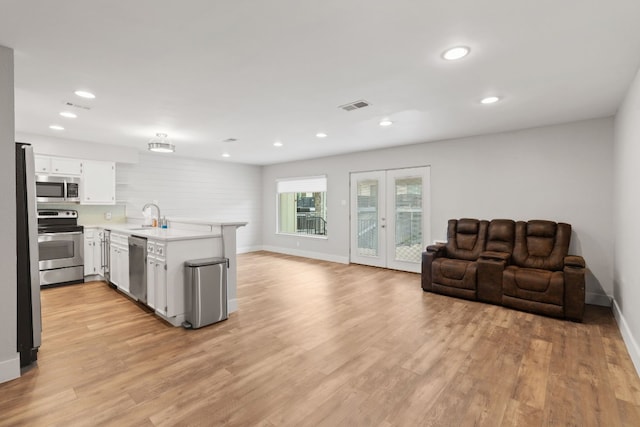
<point x="61" y="247"/>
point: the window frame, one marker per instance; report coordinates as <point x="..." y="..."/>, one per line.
<point x="277" y="197"/>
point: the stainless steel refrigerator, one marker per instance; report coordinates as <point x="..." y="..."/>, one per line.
<point x="28" y="277"/>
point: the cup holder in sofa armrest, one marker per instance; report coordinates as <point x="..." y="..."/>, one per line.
<point x="495" y="256"/>
<point x="574" y="261"/>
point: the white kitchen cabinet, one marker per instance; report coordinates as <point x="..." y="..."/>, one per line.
<point x="42" y="164"/>
<point x="156" y="277"/>
<point x="165" y="272"/>
<point x="57" y="165"/>
<point x="119" y="261"/>
<point x="93" y="256"/>
<point x="98" y="183"/>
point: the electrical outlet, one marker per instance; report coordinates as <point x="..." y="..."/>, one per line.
<point x="107" y="216"/>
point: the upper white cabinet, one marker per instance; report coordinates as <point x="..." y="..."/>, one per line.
<point x="57" y="165"/>
<point x="98" y="185"/>
<point x="97" y="178"/>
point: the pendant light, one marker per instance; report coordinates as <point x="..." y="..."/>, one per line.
<point x="161" y="144"/>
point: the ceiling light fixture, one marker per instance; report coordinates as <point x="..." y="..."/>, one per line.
<point x="84" y="94"/>
<point x="68" y="114"/>
<point x="386" y="122"/>
<point x="489" y="100"/>
<point x="321" y="135"/>
<point x="278" y="144"/>
<point x="457" y="52"/>
<point x="226" y="155"/>
<point x="56" y="127"/>
<point x="160" y="144"/>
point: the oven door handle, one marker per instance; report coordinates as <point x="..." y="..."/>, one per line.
<point x="64" y="233"/>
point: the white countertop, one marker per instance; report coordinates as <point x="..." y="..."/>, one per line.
<point x="167" y="234"/>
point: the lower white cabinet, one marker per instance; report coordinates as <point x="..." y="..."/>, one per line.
<point x="156" y="276"/>
<point x="166" y="276"/>
<point x="119" y="261"/>
<point x="93" y="254"/>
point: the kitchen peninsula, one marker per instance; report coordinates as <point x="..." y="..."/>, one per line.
<point x="166" y="251"/>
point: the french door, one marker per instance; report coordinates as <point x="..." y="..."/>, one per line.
<point x="389" y="218"/>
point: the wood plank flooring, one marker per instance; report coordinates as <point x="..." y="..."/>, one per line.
<point x="322" y="344"/>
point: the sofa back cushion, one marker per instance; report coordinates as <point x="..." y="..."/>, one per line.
<point x="501" y="235"/>
<point x="541" y="244"/>
<point x="466" y="238"/>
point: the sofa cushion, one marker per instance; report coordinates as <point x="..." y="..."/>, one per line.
<point x="501" y="235"/>
<point x="541" y="244"/>
<point x="466" y="238"/>
<point x="533" y="284"/>
<point x="454" y="273"/>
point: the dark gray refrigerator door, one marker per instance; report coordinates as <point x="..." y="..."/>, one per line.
<point x="28" y="275"/>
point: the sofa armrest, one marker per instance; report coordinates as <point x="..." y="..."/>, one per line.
<point x="491" y="266"/>
<point x="433" y="251"/>
<point x="439" y="249"/>
<point x="496" y="256"/>
<point x="574" y="261"/>
<point x="574" y="288"/>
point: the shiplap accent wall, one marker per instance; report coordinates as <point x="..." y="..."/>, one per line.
<point x="191" y="188"/>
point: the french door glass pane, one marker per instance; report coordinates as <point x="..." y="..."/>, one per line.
<point x="408" y="217"/>
<point x="367" y="192"/>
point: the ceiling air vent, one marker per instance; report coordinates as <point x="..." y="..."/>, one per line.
<point x="230" y="140"/>
<point x="71" y="104"/>
<point x="355" y="105"/>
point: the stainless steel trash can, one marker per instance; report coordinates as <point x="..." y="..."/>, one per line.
<point x="206" y="292"/>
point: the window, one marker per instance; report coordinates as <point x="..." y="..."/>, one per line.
<point x="302" y="206"/>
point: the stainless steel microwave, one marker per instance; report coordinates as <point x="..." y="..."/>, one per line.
<point x="57" y="189"/>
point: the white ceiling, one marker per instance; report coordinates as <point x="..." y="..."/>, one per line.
<point x="260" y="71"/>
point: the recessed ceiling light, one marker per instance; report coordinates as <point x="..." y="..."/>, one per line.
<point x="56" y="127"/>
<point x="457" y="52"/>
<point x="386" y="122"/>
<point x="84" y="94"/>
<point x="68" y="114"/>
<point x="278" y="144"/>
<point x="321" y="135"/>
<point x="226" y="155"/>
<point x="489" y="100"/>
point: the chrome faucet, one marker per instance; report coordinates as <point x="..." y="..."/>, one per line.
<point x="157" y="208"/>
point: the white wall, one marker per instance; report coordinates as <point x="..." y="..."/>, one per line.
<point x="191" y="188"/>
<point x="9" y="358"/>
<point x="626" y="220"/>
<point x="560" y="173"/>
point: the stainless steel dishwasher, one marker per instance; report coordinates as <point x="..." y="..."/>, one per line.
<point x="138" y="267"/>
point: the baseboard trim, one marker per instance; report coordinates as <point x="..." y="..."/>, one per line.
<point x="10" y="369"/>
<point x="232" y="305"/>
<point x="627" y="336"/>
<point x="598" y="299"/>
<point x="308" y="254"/>
<point x="247" y="249"/>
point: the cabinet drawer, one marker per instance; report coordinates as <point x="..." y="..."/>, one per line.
<point x="120" y="239"/>
<point x="160" y="249"/>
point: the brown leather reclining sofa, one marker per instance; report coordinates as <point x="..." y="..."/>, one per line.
<point x="522" y="265"/>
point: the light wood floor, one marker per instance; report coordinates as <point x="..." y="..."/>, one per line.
<point x="316" y="343"/>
